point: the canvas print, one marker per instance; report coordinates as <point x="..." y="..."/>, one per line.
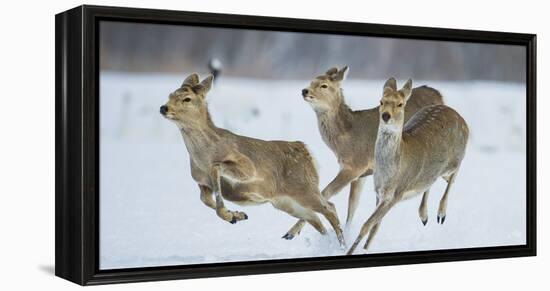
<point x="230" y="145"/>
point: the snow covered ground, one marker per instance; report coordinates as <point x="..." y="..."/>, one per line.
<point x="151" y="214"/>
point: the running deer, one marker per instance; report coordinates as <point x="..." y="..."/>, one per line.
<point x="350" y="134"/>
<point x="245" y="170"/>
<point x="410" y="156"/>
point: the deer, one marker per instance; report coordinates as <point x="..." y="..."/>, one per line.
<point x="351" y="134"/>
<point x="245" y="170"/>
<point x="410" y="156"/>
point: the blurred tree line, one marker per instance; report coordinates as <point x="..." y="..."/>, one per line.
<point x="265" y="54"/>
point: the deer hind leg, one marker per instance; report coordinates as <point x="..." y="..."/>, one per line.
<point x="225" y="214"/>
<point x="354" y="194"/>
<point x="343" y="178"/>
<point x="312" y="218"/>
<point x="293" y="208"/>
<point x="442" y="212"/>
<point x="318" y="204"/>
<point x="423" y="209"/>
<point x="381" y="210"/>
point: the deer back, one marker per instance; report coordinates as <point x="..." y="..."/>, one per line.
<point x="433" y="143"/>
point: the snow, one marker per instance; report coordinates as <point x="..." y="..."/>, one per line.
<point x="151" y="213"/>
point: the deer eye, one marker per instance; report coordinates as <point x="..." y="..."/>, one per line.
<point x="187" y="99"/>
<point x="400" y="105"/>
<point x="324" y="86"/>
<point x="381" y="103"/>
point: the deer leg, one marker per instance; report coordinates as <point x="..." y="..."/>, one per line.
<point x="304" y="214"/>
<point x="295" y="229"/>
<point x="374" y="229"/>
<point x="343" y="178"/>
<point x="206" y="197"/>
<point x="327" y="209"/>
<point x="314" y="220"/>
<point x="372" y="233"/>
<point x="354" y="194"/>
<point x="225" y="214"/>
<point x="423" y="209"/>
<point x="442" y="212"/>
<point x="381" y="210"/>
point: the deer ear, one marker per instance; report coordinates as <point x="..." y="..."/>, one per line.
<point x="331" y="71"/>
<point x="204" y="86"/>
<point x="341" y="74"/>
<point x="390" y="85"/>
<point x="407" y="89"/>
<point x="191" y="80"/>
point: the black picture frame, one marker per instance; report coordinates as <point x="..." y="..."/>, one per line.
<point x="77" y="145"/>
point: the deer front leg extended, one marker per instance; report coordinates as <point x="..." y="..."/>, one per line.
<point x="373" y="221"/>
<point x="354" y="195"/>
<point x="206" y="197"/>
<point x="225" y="214"/>
<point x="344" y="177"/>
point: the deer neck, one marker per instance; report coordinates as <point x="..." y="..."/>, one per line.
<point x="200" y="136"/>
<point x="387" y="150"/>
<point x="334" y="121"/>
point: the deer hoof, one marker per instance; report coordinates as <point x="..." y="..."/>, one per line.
<point x="288" y="236"/>
<point x="342" y="244"/>
<point x="441" y="219"/>
<point x="424" y="222"/>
